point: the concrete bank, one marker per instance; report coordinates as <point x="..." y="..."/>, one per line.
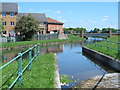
<point x="57" y="76"/>
<point x="105" y="59"/>
<point x="111" y="80"/>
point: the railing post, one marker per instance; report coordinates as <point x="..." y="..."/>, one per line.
<point x="38" y="48"/>
<point x="35" y="52"/>
<point x="108" y="44"/>
<point x="20" y="69"/>
<point x="29" y="59"/>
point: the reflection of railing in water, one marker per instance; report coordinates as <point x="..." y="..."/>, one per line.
<point x="36" y="49"/>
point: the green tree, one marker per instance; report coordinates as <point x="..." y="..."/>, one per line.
<point x="27" y="26"/>
<point x="1" y="26"/>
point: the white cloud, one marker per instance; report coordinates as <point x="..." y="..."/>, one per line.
<point x="104" y="19"/>
<point x="59" y="17"/>
<point x="30" y="9"/>
<point x="63" y="21"/>
<point x="81" y="20"/>
<point x="105" y="16"/>
<point x="48" y="10"/>
<point x="58" y="12"/>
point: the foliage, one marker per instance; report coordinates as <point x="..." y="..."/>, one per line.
<point x="65" y="79"/>
<point x="27" y="26"/>
<point x="40" y="76"/>
<point x="1" y="26"/>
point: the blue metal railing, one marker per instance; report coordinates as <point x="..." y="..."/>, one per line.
<point x="36" y="49"/>
<point x="108" y="45"/>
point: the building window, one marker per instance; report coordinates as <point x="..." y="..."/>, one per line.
<point x="41" y="24"/>
<point x="12" y="23"/>
<point x="3" y="14"/>
<point x="12" y="14"/>
<point x="3" y="23"/>
<point x="4" y="32"/>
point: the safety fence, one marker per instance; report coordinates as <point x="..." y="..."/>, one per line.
<point x="109" y="45"/>
<point x="19" y="58"/>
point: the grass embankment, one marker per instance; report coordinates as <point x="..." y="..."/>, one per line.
<point x="108" y="48"/>
<point x="40" y="76"/>
<point x="25" y="43"/>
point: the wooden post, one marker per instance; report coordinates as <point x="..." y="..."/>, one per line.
<point x="110" y="33"/>
<point x="82" y="34"/>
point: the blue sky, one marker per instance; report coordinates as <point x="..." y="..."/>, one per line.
<point x="76" y="14"/>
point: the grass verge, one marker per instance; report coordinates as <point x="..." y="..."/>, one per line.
<point x="108" y="48"/>
<point x="25" y="43"/>
<point x="40" y="76"/>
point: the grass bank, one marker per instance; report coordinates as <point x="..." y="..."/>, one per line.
<point x="25" y="43"/>
<point x="109" y="48"/>
<point x="40" y="76"/>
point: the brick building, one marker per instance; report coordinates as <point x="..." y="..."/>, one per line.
<point x="9" y="13"/>
<point x="54" y="25"/>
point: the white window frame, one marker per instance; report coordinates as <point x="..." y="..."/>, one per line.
<point x="3" y="14"/>
<point x="12" y="23"/>
<point x="12" y="14"/>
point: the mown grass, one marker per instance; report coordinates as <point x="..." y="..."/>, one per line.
<point x="102" y="47"/>
<point x="25" y="43"/>
<point x="40" y="76"/>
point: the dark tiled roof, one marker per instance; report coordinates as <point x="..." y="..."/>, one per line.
<point x="50" y="20"/>
<point x="8" y="7"/>
<point x="38" y="16"/>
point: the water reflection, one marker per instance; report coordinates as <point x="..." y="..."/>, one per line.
<point x="44" y="50"/>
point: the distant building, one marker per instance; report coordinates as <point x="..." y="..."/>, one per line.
<point x="9" y="13"/>
<point x="53" y="26"/>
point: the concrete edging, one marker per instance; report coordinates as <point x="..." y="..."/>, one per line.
<point x="57" y="76"/>
<point x="107" y="60"/>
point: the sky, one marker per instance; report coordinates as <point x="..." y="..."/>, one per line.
<point x="76" y="14"/>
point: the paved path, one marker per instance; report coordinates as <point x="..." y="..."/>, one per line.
<point x="111" y="80"/>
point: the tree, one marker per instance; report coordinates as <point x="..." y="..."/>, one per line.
<point x="27" y="26"/>
<point x="1" y="26"/>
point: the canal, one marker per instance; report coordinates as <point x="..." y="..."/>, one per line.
<point x="71" y="61"/>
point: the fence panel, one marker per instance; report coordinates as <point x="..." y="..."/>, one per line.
<point x="19" y="60"/>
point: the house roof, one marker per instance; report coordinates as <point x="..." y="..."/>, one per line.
<point x="50" y="20"/>
<point x="8" y="7"/>
<point x="38" y="16"/>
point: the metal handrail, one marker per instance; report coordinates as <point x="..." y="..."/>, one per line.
<point x="19" y="57"/>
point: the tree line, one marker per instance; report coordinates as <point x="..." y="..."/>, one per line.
<point x="95" y="30"/>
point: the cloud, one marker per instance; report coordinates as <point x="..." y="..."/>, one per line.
<point x="81" y="20"/>
<point x="104" y="19"/>
<point x="30" y="9"/>
<point x="48" y="10"/>
<point x="63" y="21"/>
<point x="59" y="17"/>
<point x="58" y="12"/>
<point x="105" y="16"/>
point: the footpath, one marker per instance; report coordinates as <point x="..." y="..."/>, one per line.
<point x="111" y="80"/>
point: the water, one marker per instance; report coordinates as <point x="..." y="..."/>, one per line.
<point x="72" y="62"/>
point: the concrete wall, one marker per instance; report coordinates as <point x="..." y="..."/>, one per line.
<point x="107" y="60"/>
